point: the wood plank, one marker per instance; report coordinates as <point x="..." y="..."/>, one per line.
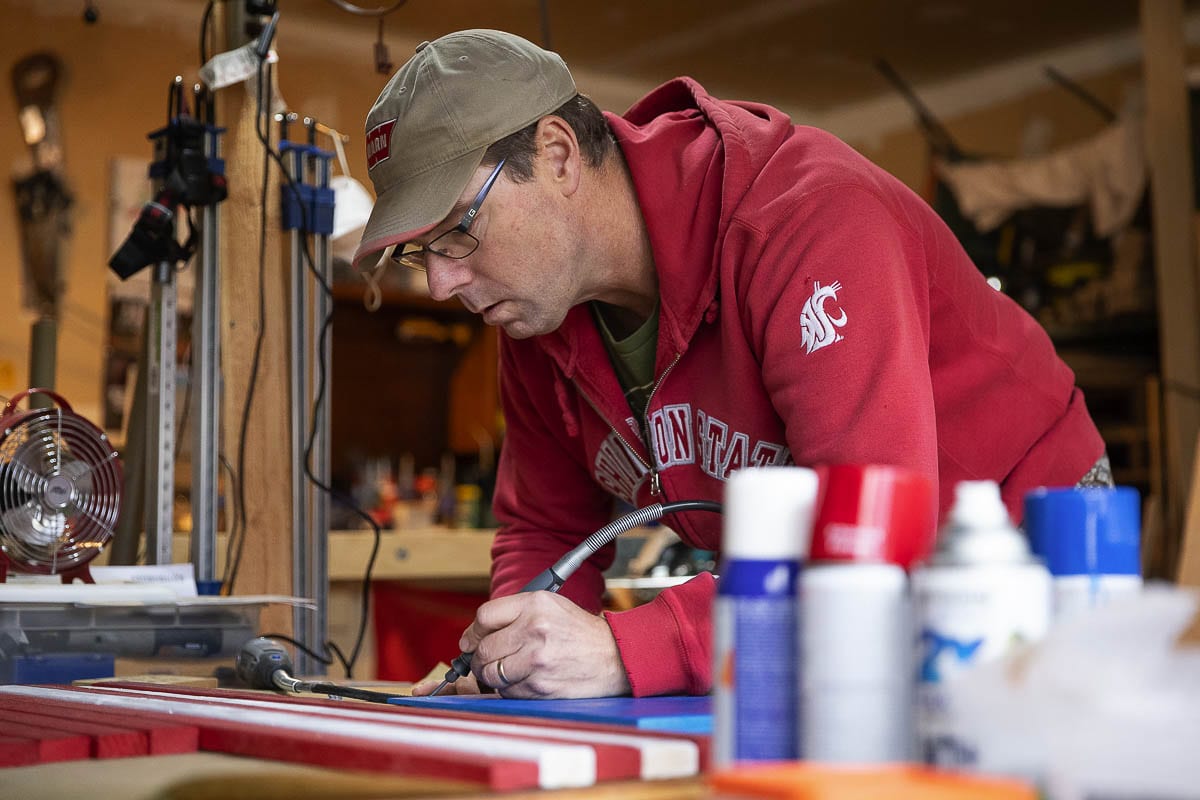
<point x="1189" y="561"/>
<point x="1168" y="145"/>
<point x="316" y="702"/>
<point x="421" y="553"/>
<point x="52" y="746"/>
<point x="267" y="550"/>
<point x="105" y="741"/>
<point x="15" y="752"/>
<point x="502" y="763"/>
<point x="163" y="737"/>
<point x="621" y="753"/>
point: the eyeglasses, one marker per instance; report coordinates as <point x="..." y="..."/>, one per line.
<point x="454" y="243"/>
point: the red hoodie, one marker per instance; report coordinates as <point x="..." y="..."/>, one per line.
<point x="813" y="310"/>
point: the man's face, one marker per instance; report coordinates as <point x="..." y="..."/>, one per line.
<point x="520" y="277"/>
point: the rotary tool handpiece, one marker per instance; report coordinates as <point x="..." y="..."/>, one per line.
<point x="260" y="660"/>
<point x="547" y="581"/>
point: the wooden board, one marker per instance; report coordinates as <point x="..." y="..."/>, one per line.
<point x="49" y="746"/>
<point x="499" y="754"/>
<point x="418" y="713"/>
<point x="162" y="736"/>
<point x="105" y="741"/>
<point x="1189" y="559"/>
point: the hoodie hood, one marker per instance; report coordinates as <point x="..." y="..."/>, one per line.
<point x="692" y="158"/>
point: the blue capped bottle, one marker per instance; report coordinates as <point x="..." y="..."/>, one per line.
<point x="1090" y="540"/>
<point x="768" y="516"/>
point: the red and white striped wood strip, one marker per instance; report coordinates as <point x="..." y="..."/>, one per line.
<point x="507" y="762"/>
<point x="673" y="767"/>
<point x="51" y="745"/>
<point x="305" y="748"/>
<point x="613" y="761"/>
<point x="164" y="737"/>
<point x="621" y="753"/>
<point x="106" y="741"/>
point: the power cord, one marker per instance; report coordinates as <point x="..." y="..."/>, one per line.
<point x="205" y="25"/>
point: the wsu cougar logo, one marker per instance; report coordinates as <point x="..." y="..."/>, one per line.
<point x="817" y="328"/>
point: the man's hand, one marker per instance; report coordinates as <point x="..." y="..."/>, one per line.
<point x="546" y="646"/>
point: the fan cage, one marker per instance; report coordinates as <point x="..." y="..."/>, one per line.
<point x="60" y="490"/>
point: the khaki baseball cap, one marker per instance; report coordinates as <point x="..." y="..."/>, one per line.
<point x="434" y="120"/>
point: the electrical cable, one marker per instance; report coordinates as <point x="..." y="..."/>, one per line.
<point x="263" y="664"/>
<point x="205" y="24"/>
<point x="351" y="8"/>
<point x="230" y="504"/>
<point x="331" y="649"/>
<point x="544" y="15"/>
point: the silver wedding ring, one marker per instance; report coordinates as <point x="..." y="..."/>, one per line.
<point x="500" y="672"/>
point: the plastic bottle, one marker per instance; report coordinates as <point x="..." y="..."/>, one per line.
<point x="767" y="526"/>
<point x="981" y="594"/>
<point x="1090" y="540"/>
<point x="856" y="690"/>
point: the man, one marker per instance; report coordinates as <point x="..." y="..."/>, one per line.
<point x="692" y="288"/>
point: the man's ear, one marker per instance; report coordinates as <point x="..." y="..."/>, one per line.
<point x="558" y="153"/>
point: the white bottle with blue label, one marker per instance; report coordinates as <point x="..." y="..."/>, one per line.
<point x="981" y="594"/>
<point x="768" y="516"/>
<point x="1090" y="540"/>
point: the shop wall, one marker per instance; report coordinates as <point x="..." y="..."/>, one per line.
<point x="114" y="93"/>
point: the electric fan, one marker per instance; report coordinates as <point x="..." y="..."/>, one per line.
<point x="60" y="490"/>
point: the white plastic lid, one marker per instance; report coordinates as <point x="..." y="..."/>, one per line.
<point x="979" y="530"/>
<point x="769" y="513"/>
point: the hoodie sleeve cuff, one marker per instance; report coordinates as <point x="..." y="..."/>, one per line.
<point x="666" y="644"/>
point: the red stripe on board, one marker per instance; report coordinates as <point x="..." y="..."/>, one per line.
<point x="164" y="737"/>
<point x="702" y="742"/>
<point x="17" y="752"/>
<point x="107" y="741"/>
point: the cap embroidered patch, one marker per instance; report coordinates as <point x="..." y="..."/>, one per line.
<point x="379" y="143"/>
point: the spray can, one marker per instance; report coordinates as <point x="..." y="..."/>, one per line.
<point x="1090" y="540"/>
<point x="767" y="525"/>
<point x="981" y="594"/>
<point x="856" y="690"/>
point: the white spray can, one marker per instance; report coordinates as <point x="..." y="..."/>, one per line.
<point x="856" y="687"/>
<point x="768" y="514"/>
<point x="981" y="594"/>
